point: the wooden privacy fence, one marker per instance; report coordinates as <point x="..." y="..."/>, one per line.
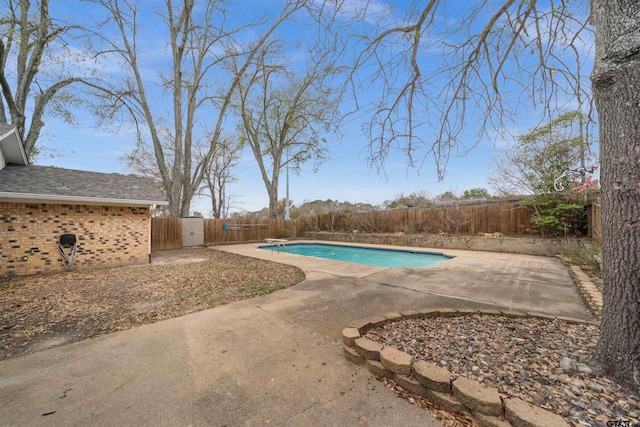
<point x="508" y="218"/>
<point x="166" y="233"/>
<point x="594" y="217"/>
<point x="245" y="230"/>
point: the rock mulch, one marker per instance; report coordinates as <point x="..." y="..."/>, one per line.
<point x="533" y="363"/>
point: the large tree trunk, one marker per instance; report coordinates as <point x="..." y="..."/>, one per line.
<point x="616" y="87"/>
<point x="273" y="201"/>
<point x="173" y="195"/>
<point x="185" y="207"/>
<point x="215" y="207"/>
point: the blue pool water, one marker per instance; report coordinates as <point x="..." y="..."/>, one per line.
<point x="371" y="256"/>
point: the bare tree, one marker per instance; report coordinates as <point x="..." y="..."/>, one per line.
<point x="219" y="175"/>
<point x="199" y="40"/>
<point x="34" y="82"/>
<point x="285" y="115"/>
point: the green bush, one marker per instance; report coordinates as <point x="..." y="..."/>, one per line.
<point x="556" y="215"/>
<point x="284" y="234"/>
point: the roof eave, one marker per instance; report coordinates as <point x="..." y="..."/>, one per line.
<point x="54" y="198"/>
<point x="12" y="148"/>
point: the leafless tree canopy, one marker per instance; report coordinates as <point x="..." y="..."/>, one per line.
<point x="220" y="175"/>
<point x="286" y="114"/>
<point x="200" y="40"/>
<point x="497" y="60"/>
<point x="33" y="78"/>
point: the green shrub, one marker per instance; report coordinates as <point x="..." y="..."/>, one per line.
<point x="284" y="234"/>
<point x="556" y="215"/>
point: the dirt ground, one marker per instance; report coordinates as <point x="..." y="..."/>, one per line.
<point x="43" y="311"/>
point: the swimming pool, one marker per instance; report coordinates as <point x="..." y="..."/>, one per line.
<point x="392" y="258"/>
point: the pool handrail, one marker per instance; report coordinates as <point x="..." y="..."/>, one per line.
<point x="277" y="243"/>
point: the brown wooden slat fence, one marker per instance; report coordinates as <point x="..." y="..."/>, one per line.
<point x="166" y="233"/>
<point x="473" y="219"/>
<point x="507" y="218"/>
<point x="594" y="217"/>
<point x="244" y="230"/>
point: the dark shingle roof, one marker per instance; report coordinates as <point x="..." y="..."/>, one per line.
<point x="44" y="183"/>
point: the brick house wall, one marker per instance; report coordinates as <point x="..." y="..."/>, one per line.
<point x="106" y="236"/>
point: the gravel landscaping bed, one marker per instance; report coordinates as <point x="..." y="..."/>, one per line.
<point x="541" y="361"/>
<point x="48" y="310"/>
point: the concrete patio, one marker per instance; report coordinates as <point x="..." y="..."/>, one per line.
<point x="270" y="360"/>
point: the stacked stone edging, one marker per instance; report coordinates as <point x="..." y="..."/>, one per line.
<point x="436" y="383"/>
<point x="589" y="292"/>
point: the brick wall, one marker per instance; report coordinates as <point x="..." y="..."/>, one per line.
<point x="106" y="235"/>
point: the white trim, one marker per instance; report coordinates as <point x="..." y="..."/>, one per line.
<point x="12" y="148"/>
<point x="54" y="198"/>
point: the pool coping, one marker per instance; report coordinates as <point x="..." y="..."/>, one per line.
<point x="420" y="251"/>
<point x="435" y="278"/>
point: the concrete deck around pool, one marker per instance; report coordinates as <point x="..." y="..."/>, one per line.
<point x="518" y="282"/>
<point x="270" y="360"/>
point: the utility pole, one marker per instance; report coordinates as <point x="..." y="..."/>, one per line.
<point x="286" y="206"/>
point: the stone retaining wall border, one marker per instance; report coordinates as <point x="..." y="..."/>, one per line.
<point x="436" y="383"/>
<point x="591" y="295"/>
<point x="530" y="245"/>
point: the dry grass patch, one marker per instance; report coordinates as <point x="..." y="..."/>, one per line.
<point x="38" y="312"/>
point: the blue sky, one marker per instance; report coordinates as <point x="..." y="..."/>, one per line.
<point x="346" y="176"/>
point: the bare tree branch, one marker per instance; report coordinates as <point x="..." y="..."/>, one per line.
<point x="199" y="44"/>
<point x="285" y="114"/>
<point x="27" y="42"/>
<point x="496" y="59"/>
